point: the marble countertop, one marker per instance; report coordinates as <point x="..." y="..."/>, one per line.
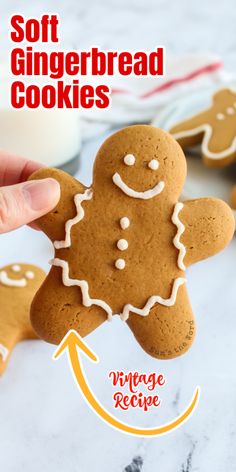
<point x="44" y="421"/>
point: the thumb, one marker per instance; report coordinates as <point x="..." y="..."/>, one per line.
<point x="22" y="203"/>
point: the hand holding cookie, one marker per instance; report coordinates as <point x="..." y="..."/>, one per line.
<point x="22" y="202"/>
<point x="123" y="245"/>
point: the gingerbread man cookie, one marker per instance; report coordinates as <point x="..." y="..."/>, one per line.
<point x="214" y="129"/>
<point x="233" y="197"/>
<point x="122" y="246"/>
<point x="18" y="284"/>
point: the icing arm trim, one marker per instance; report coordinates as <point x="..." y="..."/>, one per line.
<point x="78" y="199"/>
<point x="180" y="230"/>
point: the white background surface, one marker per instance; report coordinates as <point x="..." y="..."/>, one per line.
<point x="44" y="422"/>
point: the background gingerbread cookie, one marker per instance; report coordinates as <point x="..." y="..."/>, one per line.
<point x="122" y="246"/>
<point x="213" y="128"/>
<point x="18" y="284"/>
<point x="233" y="197"/>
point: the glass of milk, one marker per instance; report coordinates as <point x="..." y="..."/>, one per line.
<point x="51" y="137"/>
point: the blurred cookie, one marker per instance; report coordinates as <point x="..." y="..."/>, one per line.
<point x="214" y="129"/>
<point x="18" y="285"/>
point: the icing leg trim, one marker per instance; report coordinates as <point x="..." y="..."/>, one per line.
<point x="68" y="282"/>
<point x="153" y="300"/>
<point x="87" y="301"/>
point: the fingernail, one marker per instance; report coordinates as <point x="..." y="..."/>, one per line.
<point x="42" y="194"/>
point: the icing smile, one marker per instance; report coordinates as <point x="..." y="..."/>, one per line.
<point x="146" y="195"/>
<point x="6" y="280"/>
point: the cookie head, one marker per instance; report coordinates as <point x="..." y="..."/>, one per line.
<point x="141" y="161"/>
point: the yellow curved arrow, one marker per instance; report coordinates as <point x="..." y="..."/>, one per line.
<point x="71" y="342"/>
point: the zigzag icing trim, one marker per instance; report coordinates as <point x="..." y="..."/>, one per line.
<point x="180" y="230"/>
<point x="87" y="301"/>
<point x="79" y="198"/>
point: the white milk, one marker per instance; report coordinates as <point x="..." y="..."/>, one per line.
<point x="51" y="137"/>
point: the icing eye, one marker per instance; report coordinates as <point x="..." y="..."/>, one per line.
<point x="220" y="116"/>
<point x="29" y="275"/>
<point x="129" y="160"/>
<point x="230" y="111"/>
<point x="153" y="164"/>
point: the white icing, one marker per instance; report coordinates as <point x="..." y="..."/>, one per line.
<point x="120" y="264"/>
<point x="122" y="244"/>
<point x="230" y="111"/>
<point x="132" y="193"/>
<point x="180" y="230"/>
<point x="129" y="160"/>
<point x="153" y="164"/>
<point x="29" y="274"/>
<point x="220" y="116"/>
<point x="16" y="268"/>
<point x="68" y="282"/>
<point x="207" y="130"/>
<point x="124" y="222"/>
<point x="87" y="301"/>
<point x="78" y="199"/>
<point x="152" y="301"/>
<point x="4" y="352"/>
<point x="5" y="280"/>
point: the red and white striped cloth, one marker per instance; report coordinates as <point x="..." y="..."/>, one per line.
<point x="137" y="100"/>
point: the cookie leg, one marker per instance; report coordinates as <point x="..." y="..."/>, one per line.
<point x="167" y="332"/>
<point x="8" y="341"/>
<point x="56" y="309"/>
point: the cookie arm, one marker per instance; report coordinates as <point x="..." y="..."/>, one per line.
<point x="190" y="131"/>
<point x="209" y="227"/>
<point x="53" y="224"/>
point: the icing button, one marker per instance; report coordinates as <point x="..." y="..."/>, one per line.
<point x="120" y="264"/>
<point x="122" y="244"/>
<point x="124" y="222"/>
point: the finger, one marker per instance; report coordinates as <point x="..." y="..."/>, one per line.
<point x="21" y="204"/>
<point x="14" y="169"/>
